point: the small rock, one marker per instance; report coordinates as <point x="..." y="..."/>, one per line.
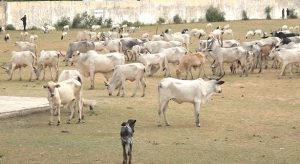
<point x="215" y="140"/>
<point x="3" y="88"/>
<point x="242" y="95"/>
<point x="65" y="131"/>
<point x="275" y="137"/>
<point x="294" y="127"/>
<point x="242" y="87"/>
<point x="263" y="156"/>
<point x="129" y="107"/>
<point x="1" y="155"/>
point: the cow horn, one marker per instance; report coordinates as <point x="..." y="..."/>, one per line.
<point x="219" y="78"/>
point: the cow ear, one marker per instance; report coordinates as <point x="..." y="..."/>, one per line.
<point x="123" y="124"/>
<point x="220" y="82"/>
<point x="57" y="86"/>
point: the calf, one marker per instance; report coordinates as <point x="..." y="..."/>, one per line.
<point x="190" y="61"/>
<point x="126" y="134"/>
<point x="193" y="91"/>
<point x="131" y="72"/>
<point x="67" y="93"/>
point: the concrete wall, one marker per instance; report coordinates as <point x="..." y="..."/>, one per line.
<point x="147" y="11"/>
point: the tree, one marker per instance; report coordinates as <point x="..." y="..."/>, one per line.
<point x="268" y="10"/>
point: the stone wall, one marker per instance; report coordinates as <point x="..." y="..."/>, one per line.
<point x="147" y="11"/>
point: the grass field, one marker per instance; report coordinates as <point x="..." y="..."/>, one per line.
<point x="256" y="119"/>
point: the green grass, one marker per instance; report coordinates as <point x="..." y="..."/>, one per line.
<point x="254" y="120"/>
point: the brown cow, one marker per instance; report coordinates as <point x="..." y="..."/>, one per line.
<point x="190" y="61"/>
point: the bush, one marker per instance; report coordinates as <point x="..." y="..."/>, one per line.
<point x="293" y="14"/>
<point x="10" y="27"/>
<point x="137" y="24"/>
<point x="177" y="19"/>
<point x="62" y="22"/>
<point x="77" y="21"/>
<point x="161" y="20"/>
<point x="108" y="22"/>
<point x="33" y="28"/>
<point x="244" y="15"/>
<point x="127" y="23"/>
<point x="268" y="10"/>
<point x="214" y="15"/>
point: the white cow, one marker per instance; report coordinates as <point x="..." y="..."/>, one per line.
<point x="66" y="28"/>
<point x="250" y="34"/>
<point x="196" y="91"/>
<point x="33" y="38"/>
<point x="27" y="46"/>
<point x="95" y="27"/>
<point x="48" y="59"/>
<point x="19" y="60"/>
<point x="67" y="93"/>
<point x="91" y="62"/>
<point x="150" y="60"/>
<point x="131" y="72"/>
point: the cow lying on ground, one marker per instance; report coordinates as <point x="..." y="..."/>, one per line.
<point x="131" y="72"/>
<point x="193" y="91"/>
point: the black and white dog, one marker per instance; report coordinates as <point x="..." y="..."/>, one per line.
<point x="126" y="134"/>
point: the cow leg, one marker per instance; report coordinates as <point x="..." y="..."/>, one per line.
<point x="79" y="104"/>
<point x="123" y="87"/>
<point x="283" y="69"/>
<point x="143" y="86"/>
<point x="51" y="114"/>
<point x="165" y="107"/>
<point x="130" y="153"/>
<point x="58" y="114"/>
<point x="51" y="72"/>
<point x="11" y="71"/>
<point x="92" y="78"/>
<point x="44" y="73"/>
<point x="31" y="73"/>
<point x="291" y="68"/>
<point x="197" y="112"/>
<point x="20" y="74"/>
<point x="71" y="108"/>
<point x="221" y="68"/>
<point x="260" y="63"/>
<point x="162" y="104"/>
<point x="190" y="70"/>
<point x="136" y="88"/>
<point x="124" y="154"/>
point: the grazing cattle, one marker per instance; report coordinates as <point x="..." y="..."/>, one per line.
<point x="131" y="72"/>
<point x="50" y="28"/>
<point x="281" y="34"/>
<point x="258" y="32"/>
<point x="67" y="93"/>
<point x="284" y="27"/>
<point x="126" y="134"/>
<point x="286" y="57"/>
<point x="189" y="61"/>
<point x="217" y="34"/>
<point x="196" y="91"/>
<point x="19" y="60"/>
<point x="174" y="55"/>
<point x="91" y="62"/>
<point x="27" y="46"/>
<point x="23" y="36"/>
<point x="157" y="38"/>
<point x="182" y="38"/>
<point x="145" y="36"/>
<point x="82" y="47"/>
<point x="210" y="44"/>
<point x="198" y="32"/>
<point x="48" y="59"/>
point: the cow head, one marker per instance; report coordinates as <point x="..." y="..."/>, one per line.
<point x="51" y="86"/>
<point x="217" y="82"/>
<point x="131" y="123"/>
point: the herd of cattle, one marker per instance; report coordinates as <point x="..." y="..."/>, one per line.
<point x="108" y="52"/>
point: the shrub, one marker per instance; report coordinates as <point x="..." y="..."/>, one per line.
<point x="177" y="19"/>
<point x="77" y="21"/>
<point x="108" y="22"/>
<point x="244" y="15"/>
<point x="137" y="24"/>
<point x="161" y="20"/>
<point x="62" y="22"/>
<point x="99" y="21"/>
<point x="10" y="27"/>
<point x="293" y="14"/>
<point x="214" y="15"/>
<point x="33" y="28"/>
<point x="127" y="23"/>
<point x="268" y="10"/>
